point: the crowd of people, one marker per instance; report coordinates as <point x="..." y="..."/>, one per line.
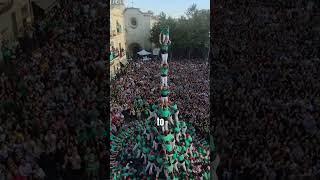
<point x="142" y="79"/>
<point x="266" y="91"/>
<point x="173" y="150"/>
<point x="52" y="107"/>
<point x="134" y="93"/>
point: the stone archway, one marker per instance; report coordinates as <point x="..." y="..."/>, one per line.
<point x="133" y="49"/>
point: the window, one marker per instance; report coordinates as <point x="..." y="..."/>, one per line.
<point x="133" y="22"/>
<point x="119" y="30"/>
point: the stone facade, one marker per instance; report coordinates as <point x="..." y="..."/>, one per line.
<point x="117" y="36"/>
<point x="138" y="26"/>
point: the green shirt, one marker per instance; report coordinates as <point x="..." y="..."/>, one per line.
<point x="111" y="56"/>
<point x="206" y="176"/>
<point x="160" y="138"/>
<point x="165" y="31"/>
<point x="165" y="92"/>
<point x="165" y="113"/>
<point x="169" y="148"/>
<point x="181" y="158"/>
<point x="168" y="138"/>
<point x="184" y="149"/>
<point x="159" y="160"/>
<point x="182" y="124"/>
<point x="6" y="54"/>
<point x="164" y="71"/>
<point x="174" y="108"/>
<point x="145" y="150"/>
<point x="151" y="157"/>
<point x="169" y="168"/>
<point x="138" y="138"/>
<point x="179" y="148"/>
<point x="165" y="47"/>
<point x="176" y="129"/>
<point x="154" y="107"/>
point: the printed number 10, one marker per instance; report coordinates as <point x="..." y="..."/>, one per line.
<point x="160" y="122"/>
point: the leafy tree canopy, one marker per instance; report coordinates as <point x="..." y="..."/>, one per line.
<point x="189" y="34"/>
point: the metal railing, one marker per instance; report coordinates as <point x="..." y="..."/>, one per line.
<point x="5" y="6"/>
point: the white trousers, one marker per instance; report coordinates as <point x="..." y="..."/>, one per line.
<point x="164" y="37"/>
<point x="152" y="114"/>
<point x="144" y="156"/>
<point x="164" y="99"/>
<point x="176" y="117"/>
<point x="165" y="127"/>
<point x="164" y="81"/>
<point x="164" y="58"/>
<point x="171" y="120"/>
<point x="178" y="136"/>
<point x="184" y="130"/>
<point x="158" y="170"/>
<point x="155" y="145"/>
<point x="150" y="165"/>
<point x="183" y="166"/>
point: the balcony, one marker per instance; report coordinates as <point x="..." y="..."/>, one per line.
<point x="116" y="55"/>
<point x="5" y="5"/>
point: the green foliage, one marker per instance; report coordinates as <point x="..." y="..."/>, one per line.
<point x="189" y="34"/>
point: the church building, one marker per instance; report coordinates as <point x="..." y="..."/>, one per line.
<point x="129" y="33"/>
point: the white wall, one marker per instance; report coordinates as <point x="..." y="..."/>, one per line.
<point x="141" y="33"/>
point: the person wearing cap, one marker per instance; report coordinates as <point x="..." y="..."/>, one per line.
<point x="164" y="75"/>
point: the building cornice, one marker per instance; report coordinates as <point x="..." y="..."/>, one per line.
<point x="143" y="13"/>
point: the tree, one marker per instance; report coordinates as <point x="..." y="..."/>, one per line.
<point x="189" y="34"/>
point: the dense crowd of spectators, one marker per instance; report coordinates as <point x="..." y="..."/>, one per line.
<point x="189" y="85"/>
<point x="52" y="108"/>
<point x="266" y="99"/>
<point x="140" y="83"/>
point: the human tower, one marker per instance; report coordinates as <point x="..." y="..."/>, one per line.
<point x="164" y="147"/>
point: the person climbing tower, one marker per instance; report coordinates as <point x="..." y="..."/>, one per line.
<point x="165" y="43"/>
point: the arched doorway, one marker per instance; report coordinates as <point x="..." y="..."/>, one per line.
<point x="133" y="49"/>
